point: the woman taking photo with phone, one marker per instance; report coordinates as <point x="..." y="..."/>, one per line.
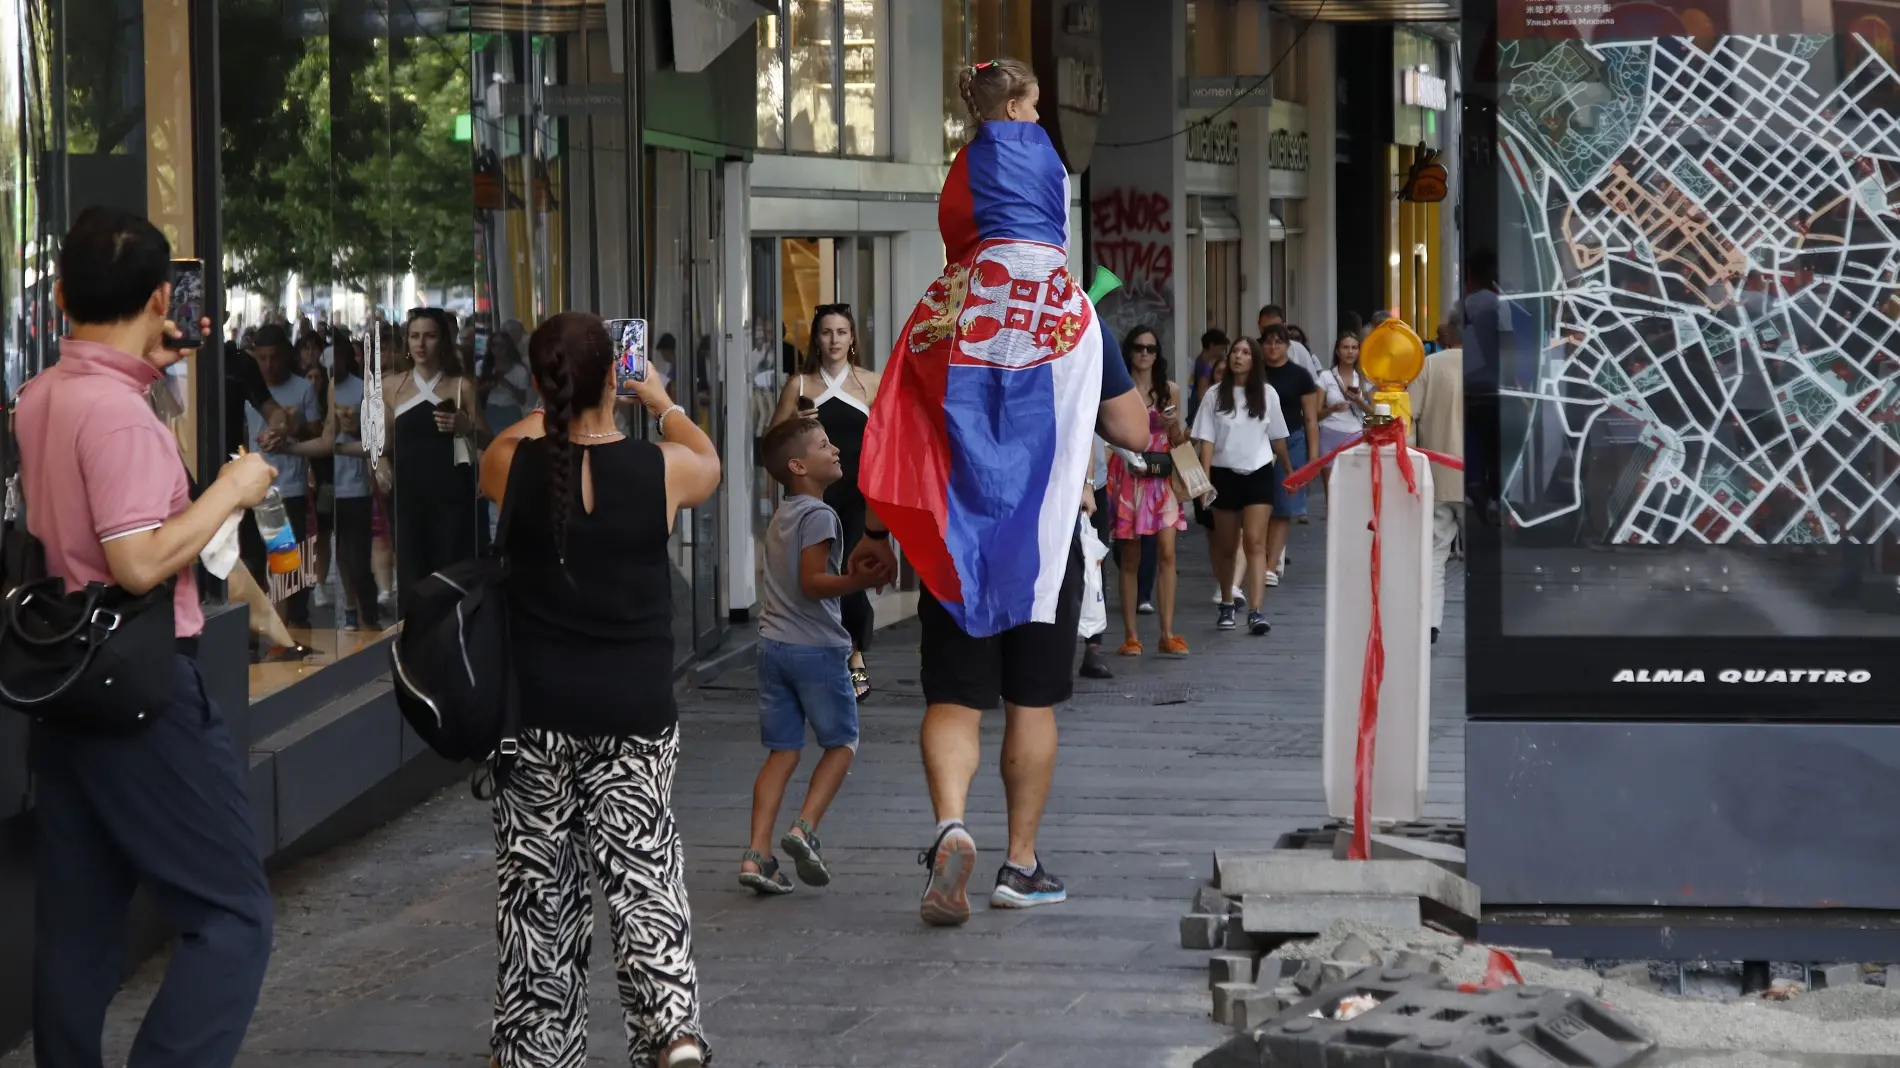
<point x="1143" y="500"/>
<point x="1242" y="434"/>
<point x="830" y="381"/>
<point x="589" y="515"/>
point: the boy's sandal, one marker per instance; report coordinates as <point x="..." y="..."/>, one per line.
<point x="768" y="879"/>
<point x="804" y="853"/>
<point x="860" y="682"/>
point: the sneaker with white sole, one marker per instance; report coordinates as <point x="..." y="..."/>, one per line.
<point x="1272" y="578"/>
<point x="946" y="900"/>
<point x="1014" y="890"/>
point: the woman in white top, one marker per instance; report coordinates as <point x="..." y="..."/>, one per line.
<point x="1241" y="434"/>
<point x="1348" y="401"/>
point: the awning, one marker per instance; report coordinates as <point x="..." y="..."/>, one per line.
<point x="1218" y="220"/>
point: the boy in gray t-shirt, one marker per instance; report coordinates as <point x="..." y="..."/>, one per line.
<point x="804" y="653"/>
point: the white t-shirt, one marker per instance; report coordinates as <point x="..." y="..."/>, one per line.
<point x="1303" y="356"/>
<point x="1241" y="442"/>
<point x="1349" y="419"/>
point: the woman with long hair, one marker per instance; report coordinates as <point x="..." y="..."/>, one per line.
<point x="590" y="512"/>
<point x="1242" y="435"/>
<point x="1143" y="502"/>
<point x="1347" y="403"/>
<point x="841" y="397"/>
<point x="435" y="428"/>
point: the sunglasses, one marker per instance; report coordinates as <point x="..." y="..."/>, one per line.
<point x="1138" y="347"/>
<point x="831" y="309"/>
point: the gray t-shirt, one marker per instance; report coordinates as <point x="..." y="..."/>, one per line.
<point x="785" y="613"/>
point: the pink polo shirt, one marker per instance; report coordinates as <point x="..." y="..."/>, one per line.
<point x="97" y="464"/>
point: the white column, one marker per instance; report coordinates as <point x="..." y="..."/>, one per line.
<point x="1319" y="268"/>
<point x="741" y="568"/>
<point x="1403" y="745"/>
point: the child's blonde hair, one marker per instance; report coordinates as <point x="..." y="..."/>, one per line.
<point x="988" y="87"/>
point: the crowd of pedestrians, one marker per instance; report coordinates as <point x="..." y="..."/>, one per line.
<point x="583" y="512"/>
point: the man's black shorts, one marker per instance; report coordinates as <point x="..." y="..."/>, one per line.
<point x="1031" y="665"/>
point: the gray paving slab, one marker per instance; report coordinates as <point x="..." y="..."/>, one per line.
<point x="385" y="946"/>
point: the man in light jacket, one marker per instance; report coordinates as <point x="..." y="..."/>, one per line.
<point x="1438" y="424"/>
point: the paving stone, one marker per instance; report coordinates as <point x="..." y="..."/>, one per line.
<point x="1224" y="997"/>
<point x="1292" y="872"/>
<point x="1309" y="976"/>
<point x="1338" y="971"/>
<point x="1412" y="960"/>
<point x="1210" y="900"/>
<point x="1355" y="948"/>
<point x="1310" y="914"/>
<point x="1230" y="968"/>
<point x="1392" y="847"/>
<point x="1272" y="970"/>
<point x="1201" y="931"/>
<point x="1836" y="975"/>
<point x="1251" y="1010"/>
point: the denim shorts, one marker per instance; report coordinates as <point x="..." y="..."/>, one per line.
<point x="1289" y="504"/>
<point x="800" y="684"/>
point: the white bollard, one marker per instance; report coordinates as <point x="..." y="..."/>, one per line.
<point x="1401" y="756"/>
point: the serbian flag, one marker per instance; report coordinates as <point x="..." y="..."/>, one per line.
<point x="979" y="441"/>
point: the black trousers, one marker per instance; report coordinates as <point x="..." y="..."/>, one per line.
<point x="353" y="542"/>
<point x="166" y="809"/>
<point x="859" y="618"/>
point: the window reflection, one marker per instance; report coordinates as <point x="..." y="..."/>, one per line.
<point x="812" y="125"/>
<point x="863" y="39"/>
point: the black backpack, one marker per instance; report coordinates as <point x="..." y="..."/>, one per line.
<point x="453" y="662"/>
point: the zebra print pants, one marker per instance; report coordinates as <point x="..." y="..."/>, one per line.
<point x="575" y="804"/>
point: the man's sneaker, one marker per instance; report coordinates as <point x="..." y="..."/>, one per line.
<point x="1226" y="621"/>
<point x="1014" y="890"/>
<point x="1257" y="623"/>
<point x="1145" y="608"/>
<point x="946" y="896"/>
<point x="1092" y="665"/>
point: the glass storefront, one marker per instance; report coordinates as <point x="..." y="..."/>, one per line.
<point x="397" y="194"/>
<point x="821" y="65"/>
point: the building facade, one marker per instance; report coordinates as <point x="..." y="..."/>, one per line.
<point x="1201" y="195"/>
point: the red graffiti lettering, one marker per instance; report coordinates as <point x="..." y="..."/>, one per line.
<point x="1123" y="211"/>
<point x="1151" y="262"/>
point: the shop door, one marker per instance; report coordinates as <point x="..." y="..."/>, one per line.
<point x="686" y="335"/>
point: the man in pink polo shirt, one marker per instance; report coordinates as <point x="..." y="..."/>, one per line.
<point x="165" y="808"/>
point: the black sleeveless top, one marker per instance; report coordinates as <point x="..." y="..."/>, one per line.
<point x="844" y="424"/>
<point x="593" y="638"/>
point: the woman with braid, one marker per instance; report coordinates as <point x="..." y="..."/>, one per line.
<point x="588" y="513"/>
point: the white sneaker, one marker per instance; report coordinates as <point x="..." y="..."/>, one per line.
<point x="1273" y="578"/>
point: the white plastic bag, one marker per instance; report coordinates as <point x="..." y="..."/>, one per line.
<point x="1094" y="609"/>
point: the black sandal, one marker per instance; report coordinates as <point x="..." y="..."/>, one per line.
<point x="768" y="880"/>
<point x="860" y="681"/>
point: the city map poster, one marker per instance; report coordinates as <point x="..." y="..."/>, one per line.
<point x="1698" y="231"/>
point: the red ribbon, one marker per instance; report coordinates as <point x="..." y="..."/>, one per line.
<point x="1373" y="676"/>
<point x="1498" y="967"/>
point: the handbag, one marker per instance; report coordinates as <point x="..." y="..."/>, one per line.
<point x="1160" y="464"/>
<point x="97" y="660"/>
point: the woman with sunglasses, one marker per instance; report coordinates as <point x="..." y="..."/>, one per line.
<point x="1143" y="499"/>
<point x="831" y="385"/>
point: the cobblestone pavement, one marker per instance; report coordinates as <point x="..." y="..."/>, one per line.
<point x="385" y="946"/>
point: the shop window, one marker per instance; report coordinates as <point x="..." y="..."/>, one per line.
<point x="1211" y="39"/>
<point x="974" y="31"/>
<point x="822" y="78"/>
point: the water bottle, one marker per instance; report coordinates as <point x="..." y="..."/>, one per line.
<point x="280" y="539"/>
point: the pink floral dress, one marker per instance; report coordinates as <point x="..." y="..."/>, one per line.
<point x="1143" y="506"/>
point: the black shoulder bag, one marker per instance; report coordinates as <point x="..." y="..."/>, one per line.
<point x="97" y="660"/>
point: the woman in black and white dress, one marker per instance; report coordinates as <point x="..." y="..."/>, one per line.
<point x="590" y="513"/>
<point x="1242" y="434"/>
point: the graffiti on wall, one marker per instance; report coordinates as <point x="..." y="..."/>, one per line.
<point x="1133" y="236"/>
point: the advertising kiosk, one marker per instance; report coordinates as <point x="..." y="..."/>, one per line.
<point x="1683" y="386"/>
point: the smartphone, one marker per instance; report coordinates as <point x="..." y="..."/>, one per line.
<point x="630" y="353"/>
<point x="188" y="303"/>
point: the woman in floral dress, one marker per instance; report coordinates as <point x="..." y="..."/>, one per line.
<point x="1144" y="503"/>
